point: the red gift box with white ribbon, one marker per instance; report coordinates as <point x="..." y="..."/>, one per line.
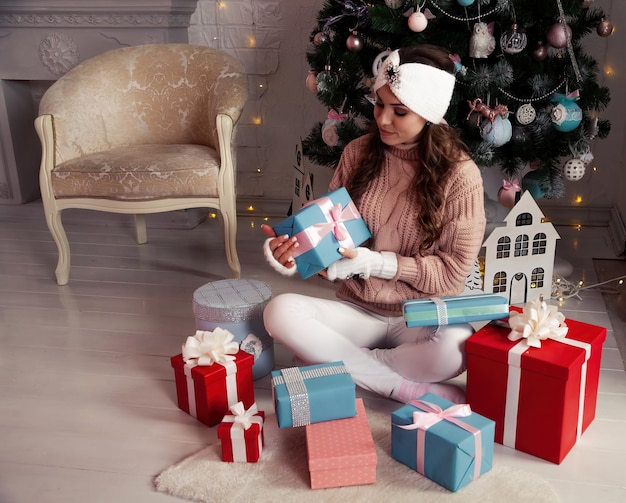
<point x="241" y="434"/>
<point x="543" y="395"/>
<point x="212" y="374"/>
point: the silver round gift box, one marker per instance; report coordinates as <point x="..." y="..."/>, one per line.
<point x="237" y="305"/>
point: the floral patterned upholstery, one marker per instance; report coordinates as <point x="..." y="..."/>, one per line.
<point x="151" y="125"/>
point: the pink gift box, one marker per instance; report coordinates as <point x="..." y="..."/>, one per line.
<point x="341" y="452"/>
<point x="241" y="445"/>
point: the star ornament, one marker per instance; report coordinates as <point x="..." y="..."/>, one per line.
<point x="207" y="348"/>
<point x="392" y="75"/>
<point x="536" y="323"/>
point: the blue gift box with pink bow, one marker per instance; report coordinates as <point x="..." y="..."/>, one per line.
<point x="446" y="442"/>
<point x="322" y="227"/>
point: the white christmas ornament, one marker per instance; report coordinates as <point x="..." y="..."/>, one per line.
<point x="574" y="170"/>
<point x="525" y="114"/>
<point x="482" y="42"/>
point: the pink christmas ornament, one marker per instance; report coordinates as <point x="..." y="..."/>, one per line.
<point x="557" y="35"/>
<point x="311" y="81"/>
<point x="508" y="193"/>
<point x="417" y="22"/>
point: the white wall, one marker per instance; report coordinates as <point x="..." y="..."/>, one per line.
<point x="269" y="37"/>
<point x="288" y="110"/>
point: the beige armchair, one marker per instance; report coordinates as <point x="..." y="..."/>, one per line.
<point x="142" y="129"/>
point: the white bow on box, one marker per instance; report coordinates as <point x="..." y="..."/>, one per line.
<point x="243" y="418"/>
<point x="538" y="322"/>
<point x="207" y="348"/>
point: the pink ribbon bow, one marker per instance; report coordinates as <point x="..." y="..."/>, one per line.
<point x="334" y="115"/>
<point x="335" y="216"/>
<point x="511" y="185"/>
<point x="432" y="414"/>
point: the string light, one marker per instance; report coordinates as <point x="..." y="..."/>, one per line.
<point x="563" y="289"/>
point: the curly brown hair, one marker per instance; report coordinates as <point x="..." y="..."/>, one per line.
<point x="440" y="147"/>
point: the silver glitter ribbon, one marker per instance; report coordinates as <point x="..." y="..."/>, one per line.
<point x="442" y="311"/>
<point x="293" y="378"/>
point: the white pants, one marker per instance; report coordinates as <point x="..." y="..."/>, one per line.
<point x="378" y="351"/>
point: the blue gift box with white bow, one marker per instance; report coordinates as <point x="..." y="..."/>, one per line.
<point x="437" y="311"/>
<point x="313" y="394"/>
<point x="445" y="442"/>
<point x="322" y="227"/>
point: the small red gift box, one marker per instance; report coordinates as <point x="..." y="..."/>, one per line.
<point x="241" y="434"/>
<point x="207" y="392"/>
<point x="541" y="398"/>
<point x="341" y="452"/>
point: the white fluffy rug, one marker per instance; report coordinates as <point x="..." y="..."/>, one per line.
<point x="282" y="476"/>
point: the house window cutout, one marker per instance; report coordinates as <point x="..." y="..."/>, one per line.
<point x="504" y="247"/>
<point x="540" y="242"/>
<point x="521" y="245"/>
<point x="537" y="277"/>
<point x="524" y="219"/>
<point x="499" y="282"/>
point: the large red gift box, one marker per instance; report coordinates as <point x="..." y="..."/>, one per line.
<point x="341" y="452"/>
<point x="242" y="443"/>
<point x="542" y="406"/>
<point x="207" y="392"/>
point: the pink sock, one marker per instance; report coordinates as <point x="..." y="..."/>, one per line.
<point x="411" y="390"/>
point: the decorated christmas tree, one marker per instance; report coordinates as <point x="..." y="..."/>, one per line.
<point x="527" y="98"/>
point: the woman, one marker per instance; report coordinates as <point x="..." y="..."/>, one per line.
<point x="421" y="196"/>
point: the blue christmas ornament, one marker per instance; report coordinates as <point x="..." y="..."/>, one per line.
<point x="465" y="3"/>
<point x="566" y="114"/>
<point x="497" y="132"/>
<point x="532" y="183"/>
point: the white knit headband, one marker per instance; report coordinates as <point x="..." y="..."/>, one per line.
<point x="424" y="89"/>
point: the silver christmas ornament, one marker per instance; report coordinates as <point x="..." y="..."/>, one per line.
<point x="394" y="4"/>
<point x="513" y="41"/>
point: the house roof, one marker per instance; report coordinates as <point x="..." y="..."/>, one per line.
<point x="526" y="204"/>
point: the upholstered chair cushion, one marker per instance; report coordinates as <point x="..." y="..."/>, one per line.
<point x="140" y="172"/>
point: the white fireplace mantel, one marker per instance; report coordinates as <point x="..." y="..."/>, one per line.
<point x="40" y="40"/>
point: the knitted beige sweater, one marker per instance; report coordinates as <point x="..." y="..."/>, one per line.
<point x="390" y="211"/>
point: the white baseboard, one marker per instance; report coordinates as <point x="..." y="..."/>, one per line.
<point x="574" y="215"/>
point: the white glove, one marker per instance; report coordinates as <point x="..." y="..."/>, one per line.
<point x="367" y="263"/>
<point x="275" y="264"/>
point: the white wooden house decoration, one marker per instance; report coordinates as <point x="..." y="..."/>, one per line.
<point x="519" y="256"/>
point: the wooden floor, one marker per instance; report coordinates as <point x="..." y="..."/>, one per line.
<point x="87" y="399"/>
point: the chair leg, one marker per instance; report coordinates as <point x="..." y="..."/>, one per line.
<point x="55" y="225"/>
<point x="140" y="229"/>
<point x="230" y="242"/>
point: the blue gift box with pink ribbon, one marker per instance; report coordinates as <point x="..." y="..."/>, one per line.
<point x="445" y="442"/>
<point x="322" y="227"/>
